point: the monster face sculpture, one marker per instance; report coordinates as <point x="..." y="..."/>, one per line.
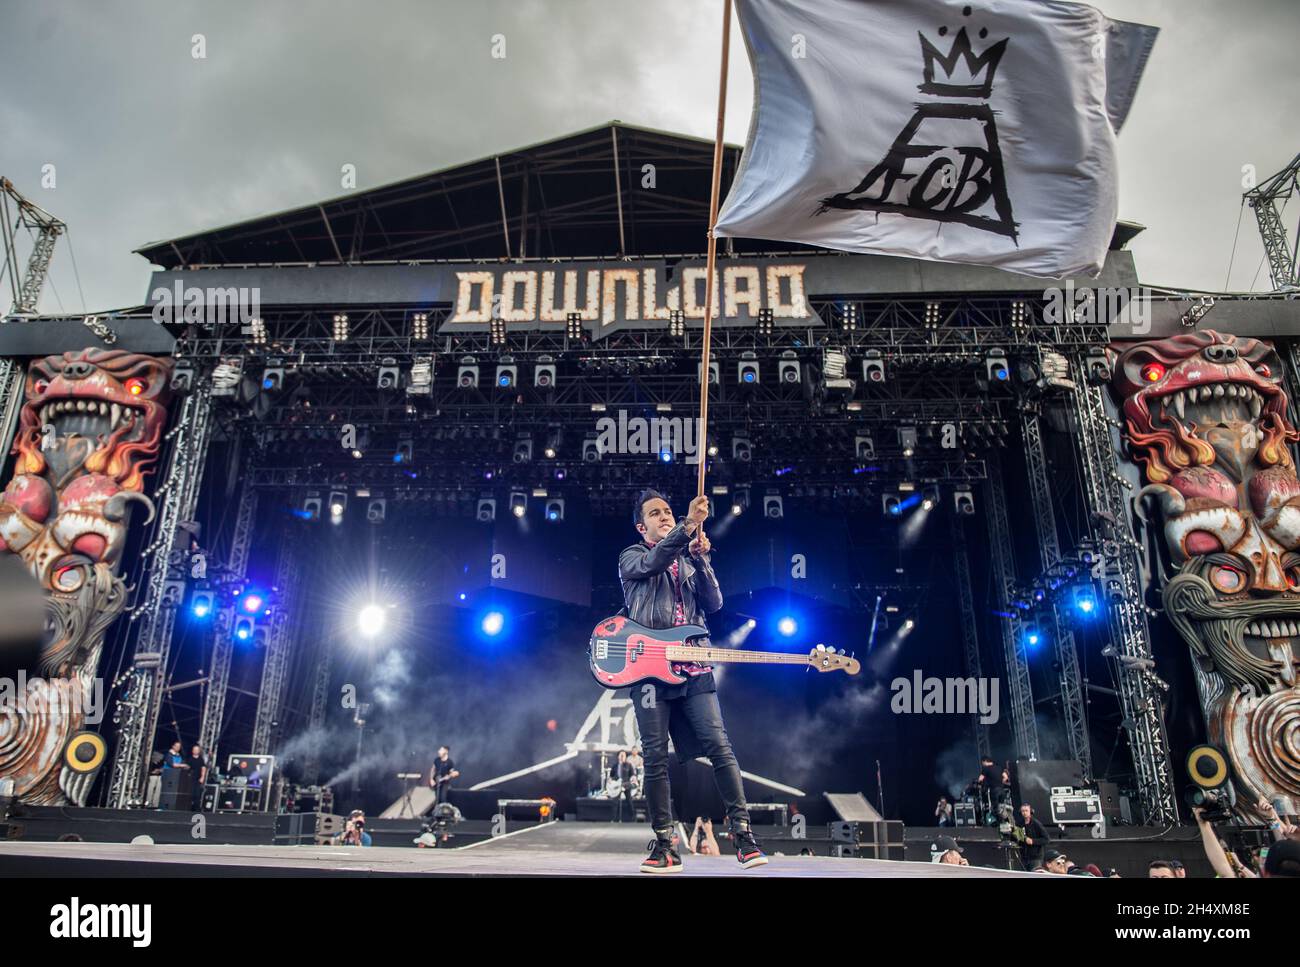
<point x="1205" y="416"/>
<point x="89" y="430"/>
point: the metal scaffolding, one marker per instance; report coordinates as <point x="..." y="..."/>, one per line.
<point x="279" y="649"/>
<point x="223" y="643"/>
<point x="1049" y="544"/>
<point x="1139" y="695"/>
<point x="141" y="698"/>
<point x="969" y="626"/>
<point x="11" y="401"/>
<point x="1023" y="725"/>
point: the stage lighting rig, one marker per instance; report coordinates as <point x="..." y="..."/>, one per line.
<point x="742" y="451"/>
<point x="182" y="380"/>
<point x="340" y="327"/>
<point x="963" y="503"/>
<point x="227" y="376"/>
<point x="467" y="374"/>
<point x="591" y="452"/>
<point x="930" y="498"/>
<point x="891" y="505"/>
<point x="864" y="447"/>
<point x="523" y="452"/>
<point x="390" y="377"/>
<point x="573" y="326"/>
<point x="486" y="512"/>
<point x="420" y="326"/>
<point x="773" y="507"/>
<point x="676" y="323"/>
<point x="518" y="503"/>
<point x="740" y="501"/>
<point x="996" y="367"/>
<point x="787" y="368"/>
<point x="714" y="373"/>
<point x="256" y="331"/>
<point x="405" y="452"/>
<point x="554" y="509"/>
<point x="835" y="368"/>
<point x="376" y="510"/>
<point x="873" y="367"/>
<point x="273" y="376"/>
<point x="1097" y="366"/>
<point x="311" y="507"/>
<point x="765" y="321"/>
<point x="338" y="503"/>
<point x="544" y="372"/>
<point x="907" y="440"/>
<point x="507" y="374"/>
<point x="747" y="369"/>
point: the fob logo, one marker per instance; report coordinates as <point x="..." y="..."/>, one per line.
<point x="109" y="921"/>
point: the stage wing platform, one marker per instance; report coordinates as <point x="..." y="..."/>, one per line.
<point x="552" y="849"/>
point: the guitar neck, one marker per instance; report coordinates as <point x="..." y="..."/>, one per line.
<point x="711" y="655"/>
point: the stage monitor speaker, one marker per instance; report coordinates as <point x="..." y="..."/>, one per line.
<point x="1032" y="782"/>
<point x="1111" y="802"/>
<point x="597" y="810"/>
<point x="852" y="807"/>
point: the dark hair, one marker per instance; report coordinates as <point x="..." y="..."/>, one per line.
<point x="637" y="517"/>
<point x="1160" y="865"/>
<point x="1175" y="865"/>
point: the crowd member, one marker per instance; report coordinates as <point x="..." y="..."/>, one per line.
<point x="1054" y="861"/>
<point x="1161" y="870"/>
<point x="1035" y="839"/>
<point x="1279" y="827"/>
<point x="1283" y="860"/>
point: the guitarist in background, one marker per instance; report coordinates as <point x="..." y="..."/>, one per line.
<point x="440" y="776"/>
<point x="668" y="581"/>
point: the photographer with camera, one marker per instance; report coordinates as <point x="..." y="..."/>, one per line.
<point x="354" y="833"/>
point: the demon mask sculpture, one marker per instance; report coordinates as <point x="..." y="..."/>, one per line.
<point x="90" y="428"/>
<point x="1206" y="417"/>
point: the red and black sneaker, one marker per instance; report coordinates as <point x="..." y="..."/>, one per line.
<point x="663" y="858"/>
<point x="747" y="850"/>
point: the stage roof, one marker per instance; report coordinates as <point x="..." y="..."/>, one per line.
<point x="561" y="200"/>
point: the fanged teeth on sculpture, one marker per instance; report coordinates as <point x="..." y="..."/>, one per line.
<point x="1273" y="629"/>
<point x="1205" y="393"/>
<point x="116" y="413"/>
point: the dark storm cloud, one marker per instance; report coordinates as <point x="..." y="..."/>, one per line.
<point x="150" y="143"/>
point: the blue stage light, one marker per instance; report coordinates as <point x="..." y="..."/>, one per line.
<point x="1033" y="638"/>
<point x="492" y="624"/>
<point x="787" y="626"/>
<point x="666" y="455"/>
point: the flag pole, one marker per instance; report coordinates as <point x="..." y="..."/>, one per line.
<point x="711" y="264"/>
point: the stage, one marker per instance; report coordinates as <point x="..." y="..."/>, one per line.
<point x="551" y="849"/>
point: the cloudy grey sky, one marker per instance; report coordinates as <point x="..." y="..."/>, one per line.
<point x="149" y="143"/>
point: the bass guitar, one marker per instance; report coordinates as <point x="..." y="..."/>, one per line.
<point x="623" y="653"/>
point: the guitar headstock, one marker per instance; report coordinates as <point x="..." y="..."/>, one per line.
<point x="829" y="660"/>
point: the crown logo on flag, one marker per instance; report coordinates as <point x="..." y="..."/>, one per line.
<point x="961" y="72"/>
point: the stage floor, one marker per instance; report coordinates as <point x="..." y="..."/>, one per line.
<point x="553" y="849"/>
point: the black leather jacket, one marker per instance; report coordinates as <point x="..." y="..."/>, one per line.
<point x="648" y="587"/>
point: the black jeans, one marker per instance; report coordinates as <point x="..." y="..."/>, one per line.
<point x="705" y="717"/>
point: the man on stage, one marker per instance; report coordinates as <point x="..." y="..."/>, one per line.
<point x="662" y="589"/>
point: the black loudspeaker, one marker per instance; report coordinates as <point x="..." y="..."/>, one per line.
<point x="177" y="786"/>
<point x="593" y="810"/>
<point x="1111" y="806"/>
<point x="1033" y="782"/>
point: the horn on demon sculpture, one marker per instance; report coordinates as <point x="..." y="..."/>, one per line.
<point x="91" y="426"/>
<point x="1206" y="417"/>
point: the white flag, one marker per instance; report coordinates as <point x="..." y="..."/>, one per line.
<point x="981" y="133"/>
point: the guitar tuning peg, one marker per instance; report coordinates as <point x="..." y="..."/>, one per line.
<point x="821" y="647"/>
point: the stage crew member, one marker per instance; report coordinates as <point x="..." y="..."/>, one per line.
<point x="667" y="581"/>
